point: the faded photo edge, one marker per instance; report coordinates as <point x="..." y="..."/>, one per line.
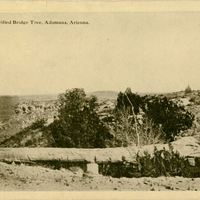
<point x="127" y="6"/>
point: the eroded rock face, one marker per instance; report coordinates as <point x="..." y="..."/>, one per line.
<point x="25" y="112"/>
<point x="28" y="112"/>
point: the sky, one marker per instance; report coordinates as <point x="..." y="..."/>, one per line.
<point x="152" y="52"/>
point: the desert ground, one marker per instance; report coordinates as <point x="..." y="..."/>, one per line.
<point x="37" y="178"/>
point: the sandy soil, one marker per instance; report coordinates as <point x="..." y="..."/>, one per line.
<point x="22" y="177"/>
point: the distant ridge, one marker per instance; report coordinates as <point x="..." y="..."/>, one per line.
<point x="44" y="97"/>
<point x="105" y="94"/>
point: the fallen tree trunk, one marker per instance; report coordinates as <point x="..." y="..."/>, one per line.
<point x="67" y="154"/>
<point x="187" y="146"/>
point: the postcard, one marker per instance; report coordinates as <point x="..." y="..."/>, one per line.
<point x="99" y="100"/>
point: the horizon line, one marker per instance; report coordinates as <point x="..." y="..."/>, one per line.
<point x="88" y="92"/>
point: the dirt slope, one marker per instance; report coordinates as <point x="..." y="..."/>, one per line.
<point x="21" y="177"/>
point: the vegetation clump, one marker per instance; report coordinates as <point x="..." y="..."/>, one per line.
<point x="78" y="124"/>
<point x="139" y="118"/>
<point x="166" y="163"/>
<point x="135" y="120"/>
<point x="188" y="90"/>
<point x="162" y="163"/>
<point x="172" y="118"/>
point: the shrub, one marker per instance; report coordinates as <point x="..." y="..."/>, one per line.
<point x="193" y="99"/>
<point x="119" y="169"/>
<point x="164" y="115"/>
<point x="78" y="123"/>
<point x="126" y="132"/>
<point x="162" y="163"/>
<point x="188" y="90"/>
<point x="150" y="133"/>
<point x="129" y="101"/>
<point x="167" y="114"/>
<point x="38" y="124"/>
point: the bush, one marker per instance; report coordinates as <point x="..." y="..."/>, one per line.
<point x="119" y="169"/>
<point x="164" y="115"/>
<point x="126" y="132"/>
<point x="38" y="124"/>
<point x="167" y="114"/>
<point x="78" y="124"/>
<point x="161" y="163"/>
<point x="150" y="133"/>
<point x="128" y="101"/>
<point x="188" y="90"/>
<point x="165" y="163"/>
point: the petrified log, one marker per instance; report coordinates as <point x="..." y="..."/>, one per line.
<point x="67" y="154"/>
<point x="187" y="146"/>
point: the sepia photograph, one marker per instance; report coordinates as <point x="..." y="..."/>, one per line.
<point x="100" y="101"/>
